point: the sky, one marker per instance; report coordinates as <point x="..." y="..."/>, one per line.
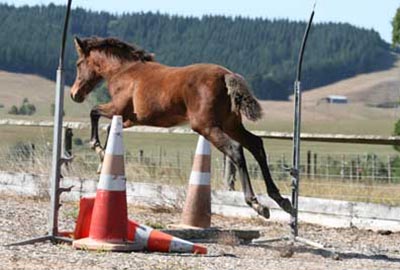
<point x="369" y="14"/>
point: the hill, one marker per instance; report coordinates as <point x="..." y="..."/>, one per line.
<point x="14" y="87"/>
<point x="357" y="117"/>
<point x="361" y="115"/>
<point x="264" y="51"/>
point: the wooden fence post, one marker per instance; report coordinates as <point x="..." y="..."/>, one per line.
<point x="343" y="167"/>
<point x="389" y="169"/>
<point x="328" y="159"/>
<point x="308" y="164"/>
<point x="373" y="167"/>
<point x="141" y="154"/>
<point x="358" y="169"/>
<point x="352" y="167"/>
<point x="32" y="154"/>
<point x="315" y="166"/>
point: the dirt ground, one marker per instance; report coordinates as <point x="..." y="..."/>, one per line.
<point x="23" y="218"/>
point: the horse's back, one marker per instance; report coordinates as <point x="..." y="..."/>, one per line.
<point x="168" y="95"/>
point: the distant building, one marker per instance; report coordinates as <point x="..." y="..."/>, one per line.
<point x="335" y="99"/>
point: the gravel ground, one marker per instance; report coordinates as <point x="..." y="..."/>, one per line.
<point x="22" y="218"/>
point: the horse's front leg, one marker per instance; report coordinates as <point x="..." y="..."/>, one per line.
<point x="106" y="110"/>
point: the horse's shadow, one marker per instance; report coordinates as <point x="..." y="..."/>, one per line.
<point x="336" y="254"/>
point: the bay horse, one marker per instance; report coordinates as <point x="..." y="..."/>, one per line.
<point x="209" y="97"/>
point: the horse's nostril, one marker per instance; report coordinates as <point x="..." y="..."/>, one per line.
<point x="77" y="98"/>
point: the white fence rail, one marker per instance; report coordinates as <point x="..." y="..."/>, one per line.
<point x="332" y="213"/>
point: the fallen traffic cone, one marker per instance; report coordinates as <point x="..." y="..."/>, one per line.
<point x="146" y="238"/>
<point x="197" y="208"/>
<point x="108" y="224"/>
<point x="142" y="237"/>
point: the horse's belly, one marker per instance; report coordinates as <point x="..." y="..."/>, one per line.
<point x="162" y="119"/>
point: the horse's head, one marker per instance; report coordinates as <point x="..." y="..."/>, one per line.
<point x="86" y="76"/>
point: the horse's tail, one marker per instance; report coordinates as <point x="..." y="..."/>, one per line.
<point x="241" y="97"/>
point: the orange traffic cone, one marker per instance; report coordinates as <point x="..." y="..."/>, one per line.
<point x="142" y="237"/>
<point x="108" y="225"/>
<point x="146" y="238"/>
<point x="197" y="208"/>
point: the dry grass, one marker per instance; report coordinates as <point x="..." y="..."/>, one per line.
<point x="14" y="87"/>
<point x="348" y="191"/>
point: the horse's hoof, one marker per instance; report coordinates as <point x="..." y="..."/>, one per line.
<point x="93" y="145"/>
<point x="286" y="205"/>
<point x="99" y="168"/>
<point x="102" y="154"/>
<point x="231" y="186"/>
<point x="262" y="210"/>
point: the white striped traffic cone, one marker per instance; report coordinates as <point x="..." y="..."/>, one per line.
<point x="142" y="237"/>
<point x="146" y="238"/>
<point x="197" y="209"/>
<point x="108" y="225"/>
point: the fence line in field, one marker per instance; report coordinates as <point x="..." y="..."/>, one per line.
<point x="312" y="137"/>
<point x="360" y="177"/>
<point x="168" y="169"/>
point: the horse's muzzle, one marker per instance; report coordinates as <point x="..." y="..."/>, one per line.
<point x="77" y="98"/>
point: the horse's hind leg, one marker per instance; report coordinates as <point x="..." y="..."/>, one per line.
<point x="255" y="145"/>
<point x="235" y="152"/>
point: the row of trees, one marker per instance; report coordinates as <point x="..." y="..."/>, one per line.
<point x="26" y="108"/>
<point x="264" y="51"/>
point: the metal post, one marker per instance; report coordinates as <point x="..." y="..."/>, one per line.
<point x="57" y="142"/>
<point x="389" y="169"/>
<point x="294" y="171"/>
<point x="343" y="168"/>
<point x="296" y="159"/>
<point x="55" y="169"/>
<point x="308" y="164"/>
<point x="315" y="166"/>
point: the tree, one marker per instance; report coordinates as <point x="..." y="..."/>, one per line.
<point x="396" y="42"/>
<point x="397" y="133"/>
<point x="263" y="51"/>
<point x="396" y="29"/>
<point x="26" y="108"/>
<point x="13" y="110"/>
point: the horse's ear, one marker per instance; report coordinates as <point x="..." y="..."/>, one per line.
<point x="80" y="46"/>
<point x="150" y="57"/>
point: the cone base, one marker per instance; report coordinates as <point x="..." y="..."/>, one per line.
<point x="92" y="244"/>
<point x="187" y="227"/>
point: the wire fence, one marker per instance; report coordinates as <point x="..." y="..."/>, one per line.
<point x="354" y="177"/>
